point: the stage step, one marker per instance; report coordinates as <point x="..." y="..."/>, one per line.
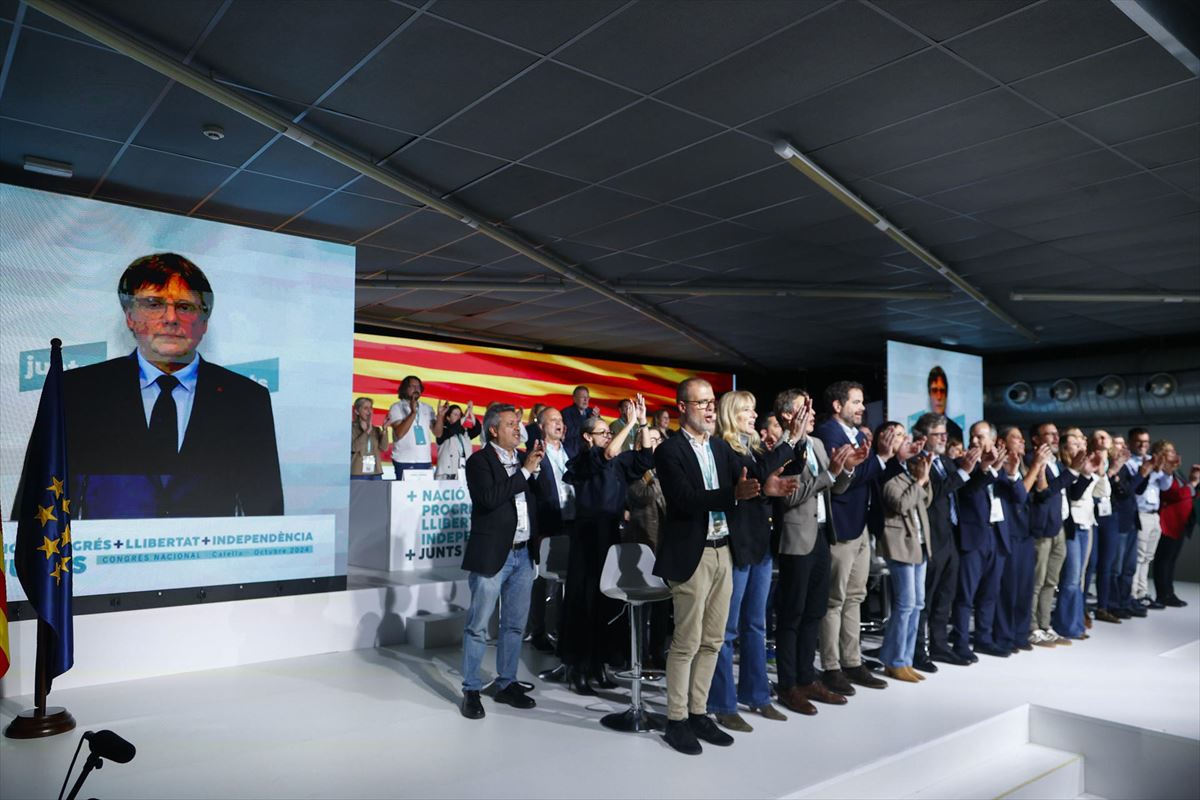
<point x="1023" y="772"/>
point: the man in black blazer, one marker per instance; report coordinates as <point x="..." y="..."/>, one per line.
<point x="555" y="516"/>
<point x="701" y="483"/>
<point x="500" y="555"/>
<point x="941" y="577"/>
<point x="161" y="432"/>
<point x="573" y="417"/>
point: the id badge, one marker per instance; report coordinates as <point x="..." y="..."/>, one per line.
<point x="522" y="517"/>
<point x="1104" y="507"/>
<point x="997" y="514"/>
<point x="368" y="464"/>
<point x="419" y="433"/>
<point x="720" y="527"/>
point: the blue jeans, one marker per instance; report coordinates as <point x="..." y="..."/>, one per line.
<point x="1108" y="557"/>
<point x="512" y="586"/>
<point x="1068" y="614"/>
<point x="908" y="598"/>
<point x="748" y="624"/>
<point x="366" y="477"/>
<point x="400" y="466"/>
<point x="1124" y="597"/>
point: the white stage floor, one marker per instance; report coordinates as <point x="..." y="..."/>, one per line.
<point x="385" y="723"/>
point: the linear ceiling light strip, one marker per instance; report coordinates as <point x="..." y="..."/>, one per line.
<point x="1105" y="297"/>
<point x="834" y="187"/>
<point x="149" y="57"/>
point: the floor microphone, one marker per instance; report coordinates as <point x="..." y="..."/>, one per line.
<point x="109" y="745"/>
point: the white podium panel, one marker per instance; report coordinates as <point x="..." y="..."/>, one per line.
<point x="408" y="525"/>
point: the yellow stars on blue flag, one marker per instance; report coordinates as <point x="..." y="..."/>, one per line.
<point x="57" y="546"/>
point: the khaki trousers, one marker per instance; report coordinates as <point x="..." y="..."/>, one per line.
<point x="701" y="610"/>
<point x="1050" y="554"/>
<point x="849" y="566"/>
<point x="1147" y="543"/>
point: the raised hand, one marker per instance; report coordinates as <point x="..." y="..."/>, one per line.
<point x="858" y="455"/>
<point x="885" y="446"/>
<point x="639" y="406"/>
<point x="1095" y="463"/>
<point x="837" y="461"/>
<point x="918" y="468"/>
<point x="442" y="407"/>
<point x="746" y="487"/>
<point x="1012" y="462"/>
<point x="630" y="414"/>
<point x="970" y="459"/>
<point x="778" y="486"/>
<point x="1044" y="456"/>
<point x="910" y="448"/>
<point x="533" y="456"/>
<point x="469" y="414"/>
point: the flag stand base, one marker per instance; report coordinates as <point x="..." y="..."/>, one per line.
<point x="32" y="725"/>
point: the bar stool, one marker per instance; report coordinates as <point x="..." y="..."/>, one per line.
<point x="553" y="556"/>
<point x="628" y="576"/>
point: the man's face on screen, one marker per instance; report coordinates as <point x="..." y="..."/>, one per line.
<point x="167" y="321"/>
<point x="937" y="395"/>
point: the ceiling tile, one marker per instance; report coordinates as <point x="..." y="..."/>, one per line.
<point x="540" y="25"/>
<point x="696" y="168"/>
<point x="940" y="20"/>
<point x="543" y="105"/>
<point x="160" y="180"/>
<point x="509" y="192"/>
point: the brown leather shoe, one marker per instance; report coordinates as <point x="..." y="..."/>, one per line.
<point x="900" y="674"/>
<point x="770" y="712"/>
<point x="734" y="722"/>
<point x="914" y="673"/>
<point x="818" y="692"/>
<point x="835" y="681"/>
<point x="863" y="677"/>
<point x="793" y="699"/>
<point x="1104" y="615"/>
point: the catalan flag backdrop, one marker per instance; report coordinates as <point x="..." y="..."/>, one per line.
<point x="43" y="553"/>
<point x="461" y="373"/>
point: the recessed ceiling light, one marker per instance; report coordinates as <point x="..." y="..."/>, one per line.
<point x="949" y="341"/>
<point x="1111" y="386"/>
<point x="214" y="132"/>
<point x="44" y="166"/>
<point x="1064" y="390"/>
<point x="1020" y="393"/>
<point x="1161" y="385"/>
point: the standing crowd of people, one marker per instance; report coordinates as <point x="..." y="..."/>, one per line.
<point x="991" y="551"/>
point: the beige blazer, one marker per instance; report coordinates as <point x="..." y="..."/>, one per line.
<point x="796" y="514"/>
<point x="901" y="541"/>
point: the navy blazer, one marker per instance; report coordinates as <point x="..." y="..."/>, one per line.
<point x="1126" y="485"/>
<point x="849" y="509"/>
<point x="545" y="490"/>
<point x="975" y="530"/>
<point x="228" y="465"/>
<point x="1045" y="517"/>
<point x="939" y="509"/>
<point x="1016" y="511"/>
<point x="494" y="512"/>
<point x="683" y="529"/>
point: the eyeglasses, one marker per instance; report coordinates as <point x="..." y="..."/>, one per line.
<point x="600" y="433"/>
<point x="156" y="307"/>
<point x="703" y="405"/>
<point x="941" y="435"/>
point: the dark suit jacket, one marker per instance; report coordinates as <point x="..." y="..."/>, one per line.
<point x="1045" y="516"/>
<point x="494" y="512"/>
<point x="850" y="507"/>
<point x="939" y="509"/>
<point x="975" y="531"/>
<point x="573" y="423"/>
<point x="228" y="465"/>
<point x="684" y="527"/>
<point x="545" y="490"/>
<point x="750" y="520"/>
<point x="1126" y="485"/>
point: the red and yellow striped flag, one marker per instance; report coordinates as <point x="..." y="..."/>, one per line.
<point x="461" y="373"/>
<point x="5" y="657"/>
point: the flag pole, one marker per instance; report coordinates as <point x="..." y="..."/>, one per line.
<point x="45" y="571"/>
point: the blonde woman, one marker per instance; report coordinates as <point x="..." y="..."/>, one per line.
<point x="750" y="532"/>
<point x="1070" y="612"/>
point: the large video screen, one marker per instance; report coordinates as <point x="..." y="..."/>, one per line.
<point x="243" y="478"/>
<point x="923" y="379"/>
<point x="460" y="373"/>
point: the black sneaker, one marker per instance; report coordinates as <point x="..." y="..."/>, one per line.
<point x="704" y="728"/>
<point x="681" y="737"/>
<point x="472" y="707"/>
<point x="512" y="695"/>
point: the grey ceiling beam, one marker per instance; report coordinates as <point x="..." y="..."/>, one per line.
<point x="152" y="58"/>
<point x="400" y="323"/>
<point x="1071" y="296"/>
<point x="662" y="288"/>
<point x="1174" y="24"/>
<point x="834" y="187"/>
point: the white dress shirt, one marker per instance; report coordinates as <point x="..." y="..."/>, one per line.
<point x="184" y="394"/>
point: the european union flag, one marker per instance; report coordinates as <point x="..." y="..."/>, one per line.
<point x="43" y="553"/>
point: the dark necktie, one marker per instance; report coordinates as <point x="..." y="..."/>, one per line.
<point x="164" y="424"/>
<point x="941" y="471"/>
